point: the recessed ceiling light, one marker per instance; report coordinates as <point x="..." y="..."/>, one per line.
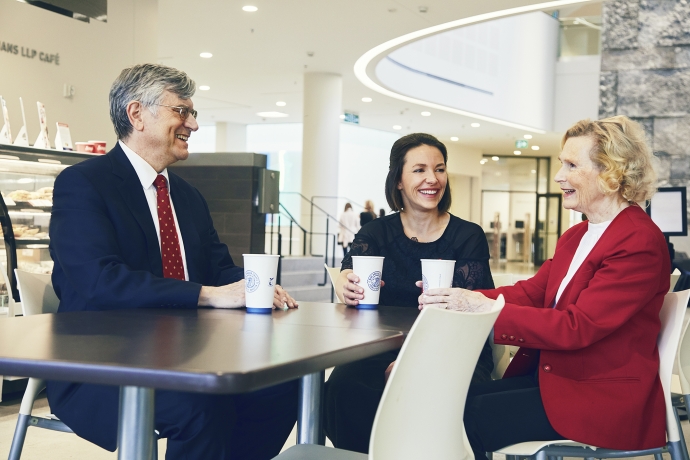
<point x="206" y="55"/>
<point x="397" y="127"/>
<point x="272" y="114"/>
<point x="482" y="161"/>
<point x="249" y="8"/>
<point x="527" y="136"/>
<point x="517" y="152"/>
<point x="494" y="158"/>
<point x="534" y="171"/>
<point x="366" y="99"/>
<point x="535" y="147"/>
<point x="342" y="117"/>
<point x="475" y="125"/>
<point x="454" y="139"/>
<point x="426" y="114"/>
<point x="281" y="103"/>
<point x="204" y="87"/>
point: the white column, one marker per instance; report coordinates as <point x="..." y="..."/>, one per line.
<point x="320" y="148"/>
<point x="231" y="137"/>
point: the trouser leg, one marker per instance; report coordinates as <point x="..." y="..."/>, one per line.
<point x="251" y="426"/>
<point x="505" y="412"/>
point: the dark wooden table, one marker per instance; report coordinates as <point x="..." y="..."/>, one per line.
<point x="205" y="350"/>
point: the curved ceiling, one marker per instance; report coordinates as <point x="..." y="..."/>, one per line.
<point x="260" y="58"/>
<point x="365" y="67"/>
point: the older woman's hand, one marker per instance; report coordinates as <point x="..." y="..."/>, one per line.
<point x="454" y="299"/>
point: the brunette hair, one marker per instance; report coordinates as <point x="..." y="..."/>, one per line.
<point x="622" y="155"/>
<point x="397" y="161"/>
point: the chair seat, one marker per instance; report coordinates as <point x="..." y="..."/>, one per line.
<point x="316" y="452"/>
<point x="526" y="449"/>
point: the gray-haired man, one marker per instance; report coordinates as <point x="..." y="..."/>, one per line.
<point x="126" y="233"/>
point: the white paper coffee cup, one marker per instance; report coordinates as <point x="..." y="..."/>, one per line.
<point x="437" y="273"/>
<point x="368" y="269"/>
<point x="260" y="272"/>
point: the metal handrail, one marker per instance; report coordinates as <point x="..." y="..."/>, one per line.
<point x="311" y="218"/>
<point x="338" y="198"/>
<point x="328" y="235"/>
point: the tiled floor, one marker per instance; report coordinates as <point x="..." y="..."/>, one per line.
<point x="43" y="444"/>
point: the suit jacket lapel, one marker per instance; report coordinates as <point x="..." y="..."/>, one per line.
<point x="133" y="195"/>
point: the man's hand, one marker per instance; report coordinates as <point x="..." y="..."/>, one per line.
<point x="232" y="296"/>
<point x="228" y="296"/>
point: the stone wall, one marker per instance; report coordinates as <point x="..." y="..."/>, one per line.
<point x="645" y="74"/>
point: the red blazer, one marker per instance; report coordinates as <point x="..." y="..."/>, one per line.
<point x="596" y="350"/>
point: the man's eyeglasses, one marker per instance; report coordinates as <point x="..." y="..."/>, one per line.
<point x="183" y="110"/>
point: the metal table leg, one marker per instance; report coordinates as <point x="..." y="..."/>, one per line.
<point x="135" y="429"/>
<point x="309" y="430"/>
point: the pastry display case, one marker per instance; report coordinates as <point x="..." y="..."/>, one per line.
<point x="27" y="176"/>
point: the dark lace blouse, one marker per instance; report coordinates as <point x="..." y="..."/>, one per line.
<point x="462" y="241"/>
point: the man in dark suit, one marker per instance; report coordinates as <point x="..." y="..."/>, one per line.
<point x="126" y="233"/>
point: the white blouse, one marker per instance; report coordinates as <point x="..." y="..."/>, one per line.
<point x="589" y="239"/>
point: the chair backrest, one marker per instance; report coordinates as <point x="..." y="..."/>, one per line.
<point x="420" y="413"/>
<point x="333" y="273"/>
<point x="674" y="279"/>
<point x="684" y="358"/>
<point x="671" y="316"/>
<point x="502" y="279"/>
<point x="508" y="279"/>
<point x="36" y="292"/>
<point x="501" y="353"/>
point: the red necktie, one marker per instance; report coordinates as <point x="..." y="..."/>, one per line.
<point x="170" y="245"/>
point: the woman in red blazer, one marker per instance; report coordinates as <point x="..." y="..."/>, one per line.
<point x="587" y="322"/>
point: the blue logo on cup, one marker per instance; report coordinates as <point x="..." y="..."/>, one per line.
<point x="270" y="282"/>
<point x="374" y="281"/>
<point x="251" y="281"/>
<point x="425" y="283"/>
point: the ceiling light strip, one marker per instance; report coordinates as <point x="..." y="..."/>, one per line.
<point x="363" y="62"/>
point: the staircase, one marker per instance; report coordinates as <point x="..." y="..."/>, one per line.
<point x="301" y="276"/>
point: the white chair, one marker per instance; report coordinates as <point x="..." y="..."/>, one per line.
<point x="333" y="273"/>
<point x="503" y="353"/>
<point x="683" y="366"/>
<point x="502" y="279"/>
<point x="420" y="413"/>
<point x="671" y="316"/>
<point x="38" y="296"/>
<point x="674" y="279"/>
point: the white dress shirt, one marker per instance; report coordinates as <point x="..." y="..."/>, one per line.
<point x="589" y="239"/>
<point x="147" y="175"/>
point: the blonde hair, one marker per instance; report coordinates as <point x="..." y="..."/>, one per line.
<point x="622" y="154"/>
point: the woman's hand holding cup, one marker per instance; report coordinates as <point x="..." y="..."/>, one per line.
<point x="454" y="299"/>
<point x="352" y="291"/>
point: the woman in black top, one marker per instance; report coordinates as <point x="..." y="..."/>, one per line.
<point x="416" y="186"/>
